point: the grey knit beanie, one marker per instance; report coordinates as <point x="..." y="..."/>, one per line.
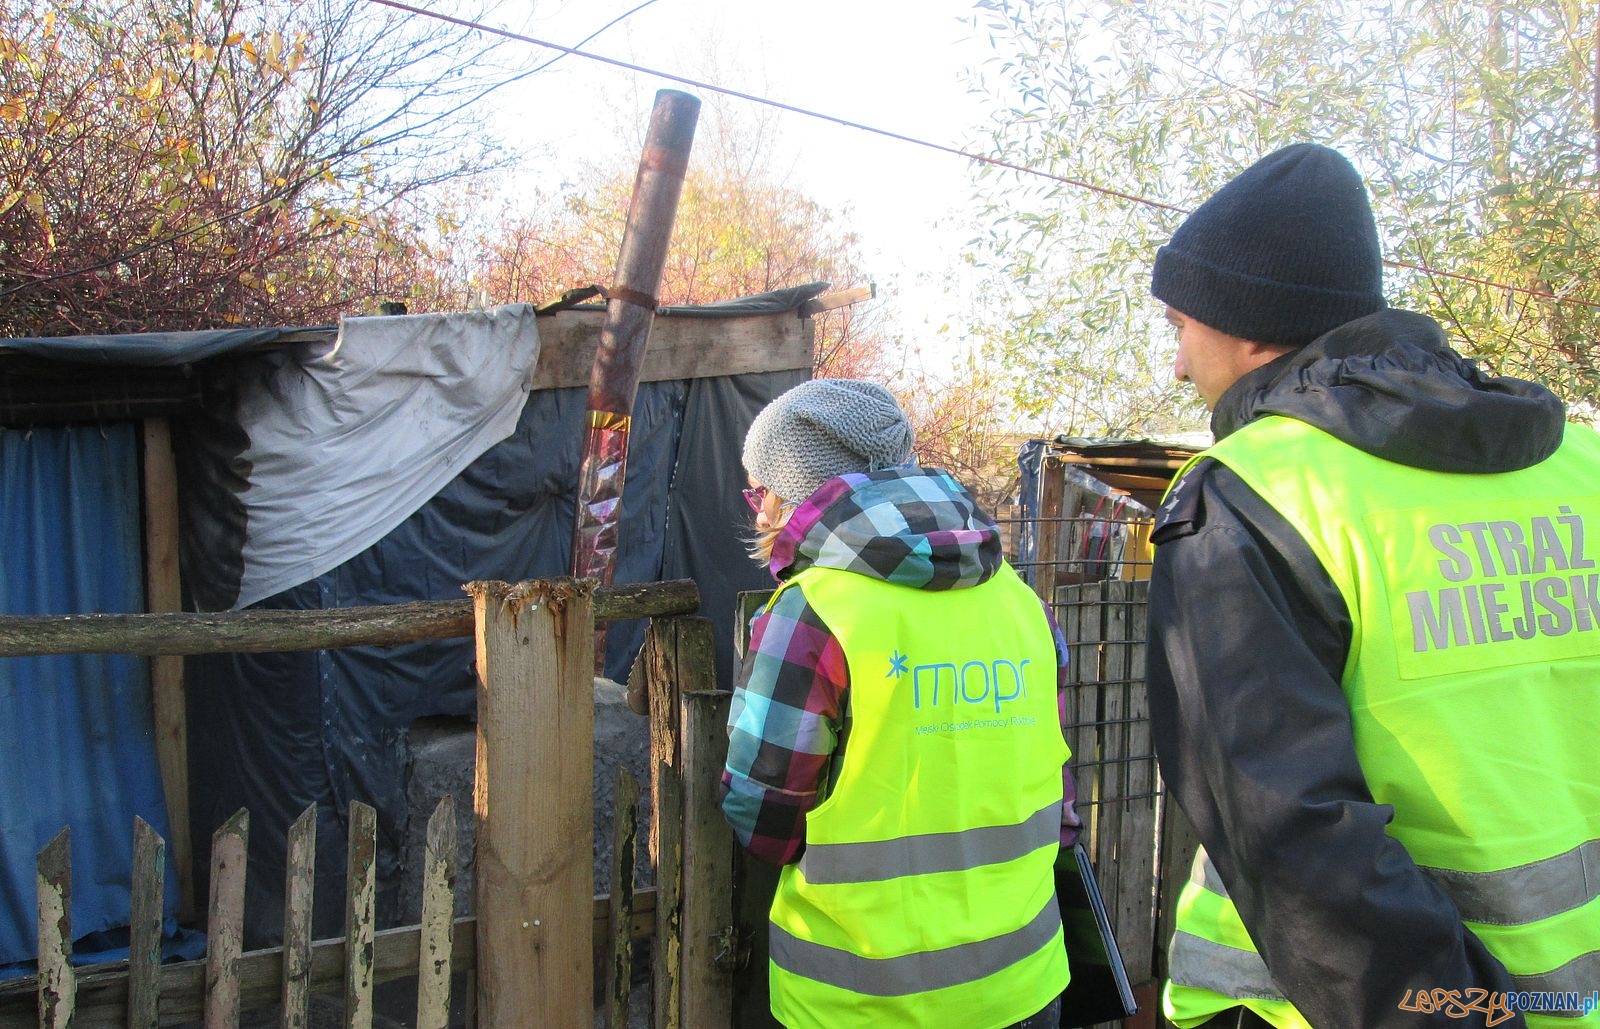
<point x="1283" y="253"/>
<point x="823" y="428"/>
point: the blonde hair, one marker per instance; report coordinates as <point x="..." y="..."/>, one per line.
<point x="760" y="544"/>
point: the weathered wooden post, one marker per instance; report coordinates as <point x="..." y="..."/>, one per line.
<point x="696" y="939"/>
<point x="710" y="937"/>
<point x="619" y="904"/>
<point x="533" y="802"/>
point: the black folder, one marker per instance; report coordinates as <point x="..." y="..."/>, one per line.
<point x="1099" y="990"/>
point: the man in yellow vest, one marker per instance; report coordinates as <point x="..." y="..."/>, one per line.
<point x="1375" y="643"/>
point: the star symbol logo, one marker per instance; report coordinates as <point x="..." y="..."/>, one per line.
<point x="897" y="665"/>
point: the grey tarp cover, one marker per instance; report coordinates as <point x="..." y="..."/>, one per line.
<point x="279" y="732"/>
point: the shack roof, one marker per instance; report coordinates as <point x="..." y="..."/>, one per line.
<point x="132" y="375"/>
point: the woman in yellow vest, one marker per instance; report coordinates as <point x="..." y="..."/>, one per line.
<point x="894" y="742"/>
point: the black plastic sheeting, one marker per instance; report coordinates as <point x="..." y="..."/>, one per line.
<point x="276" y="733"/>
<point x="147" y="349"/>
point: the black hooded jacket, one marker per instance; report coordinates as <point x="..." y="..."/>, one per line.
<point x="1249" y="638"/>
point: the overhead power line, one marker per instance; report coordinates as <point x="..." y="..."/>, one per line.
<point x="712" y="87"/>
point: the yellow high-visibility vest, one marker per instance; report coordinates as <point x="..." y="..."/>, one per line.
<point x="925" y="895"/>
<point x="1474" y="686"/>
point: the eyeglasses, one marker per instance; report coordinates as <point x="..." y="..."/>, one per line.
<point x="755" y="496"/>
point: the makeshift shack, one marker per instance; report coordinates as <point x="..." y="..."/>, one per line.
<point x="390" y="459"/>
<point x="1085" y="506"/>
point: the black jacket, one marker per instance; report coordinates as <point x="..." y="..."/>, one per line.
<point x="1248" y="643"/>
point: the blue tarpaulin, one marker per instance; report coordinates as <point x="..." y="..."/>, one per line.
<point x="77" y="748"/>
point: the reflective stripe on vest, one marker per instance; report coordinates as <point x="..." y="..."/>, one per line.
<point x="925" y="894"/>
<point x="1196" y="961"/>
<point x="1527" y="893"/>
<point x="918" y="972"/>
<point x="877" y="860"/>
<point x="1207" y="962"/>
<point x="1579" y="974"/>
<point x="1472" y="599"/>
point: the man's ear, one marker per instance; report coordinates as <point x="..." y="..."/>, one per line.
<point x="1265" y="352"/>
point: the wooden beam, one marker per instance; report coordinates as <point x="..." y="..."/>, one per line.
<point x="1158" y="463"/>
<point x="840" y="298"/>
<point x="164" y="593"/>
<point x="256" y="631"/>
<point x="680" y="347"/>
<point x="533" y="798"/>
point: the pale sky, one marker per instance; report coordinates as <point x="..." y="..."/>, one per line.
<point x="898" y="65"/>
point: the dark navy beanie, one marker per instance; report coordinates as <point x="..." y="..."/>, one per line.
<point x="1283" y="253"/>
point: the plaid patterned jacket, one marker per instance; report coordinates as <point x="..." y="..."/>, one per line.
<point x="790" y="720"/>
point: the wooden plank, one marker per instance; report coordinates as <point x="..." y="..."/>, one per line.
<point x="164" y="592"/>
<point x="298" y="893"/>
<point x="837" y="299"/>
<point x="1135" y="912"/>
<point x="225" y="921"/>
<point x="533" y="801"/>
<point x="241" y="632"/>
<point x="666" y="836"/>
<point x="103" y="990"/>
<point x="144" y="926"/>
<point x="680" y="347"/>
<point x="57" y="981"/>
<point x="360" y="892"/>
<point x="624" y="852"/>
<point x="1046" y="528"/>
<point x="666" y="955"/>
<point x="437" y="927"/>
<point x="1158" y="463"/>
<point x="708" y="929"/>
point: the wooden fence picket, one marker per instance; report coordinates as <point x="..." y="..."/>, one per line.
<point x="58" y="984"/>
<point x="144" y="926"/>
<point x="229" y="845"/>
<point x="298" y="894"/>
<point x="438" y="922"/>
<point x="361" y="884"/>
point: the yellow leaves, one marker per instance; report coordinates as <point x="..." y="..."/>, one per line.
<point x="153" y="88"/>
<point x="13" y="110"/>
<point x="49" y="23"/>
<point x="233" y="39"/>
<point x="34" y="201"/>
<point x="249" y="50"/>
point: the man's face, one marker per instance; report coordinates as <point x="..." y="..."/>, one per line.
<point x="1209" y="359"/>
